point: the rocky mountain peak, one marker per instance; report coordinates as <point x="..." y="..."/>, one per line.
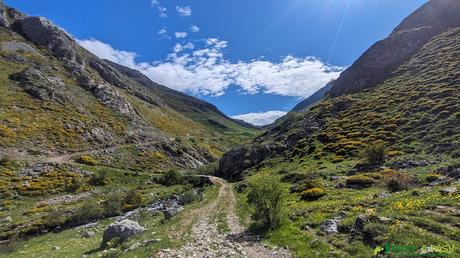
<point x="385" y="56"/>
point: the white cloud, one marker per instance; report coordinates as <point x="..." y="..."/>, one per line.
<point x="261" y="118"/>
<point x="205" y="70"/>
<point x="163" y="31"/>
<point x="194" y="28"/>
<point x="181" y="35"/>
<point x="105" y="51"/>
<point x="184" y="10"/>
<point x="161" y="10"/>
<point x="178" y="47"/>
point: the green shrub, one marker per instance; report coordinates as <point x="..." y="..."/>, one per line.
<point x="133" y="199"/>
<point x="432" y="177"/>
<point x="337" y="159"/>
<point x="188" y="196"/>
<point x="87" y="160"/>
<point x="100" y="178"/>
<point x="75" y="185"/>
<point x="10" y="246"/>
<point x="361" y="181"/>
<point x="6" y="161"/>
<point x="172" y="177"/>
<point x="399" y="182"/>
<point x="306" y="184"/>
<point x="241" y="187"/>
<point x="375" y="153"/>
<point x="293" y="177"/>
<point x="313" y="194"/>
<point x="90" y="211"/>
<point x="266" y="196"/>
<point x="113" y="204"/>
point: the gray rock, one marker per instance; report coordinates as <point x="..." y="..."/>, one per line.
<point x="88" y="234"/>
<point x="122" y="229"/>
<point x="330" y="226"/>
<point x="16" y="46"/>
<point x="382" y="195"/>
<point x="56" y="248"/>
<point x="448" y="191"/>
<point x="37" y="84"/>
<point x="6" y="219"/>
<point x="42" y="32"/>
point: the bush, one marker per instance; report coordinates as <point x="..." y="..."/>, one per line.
<point x="337" y="159"/>
<point x="86" y="159"/>
<point x="432" y="177"/>
<point x="113" y="204"/>
<point x="313" y="194"/>
<point x="375" y="153"/>
<point x="399" y="182"/>
<point x="100" y="178"/>
<point x="6" y="161"/>
<point x="75" y="185"/>
<point x="188" y="196"/>
<point x="172" y="177"/>
<point x="10" y="246"/>
<point x="133" y="199"/>
<point x="265" y="196"/>
<point x="306" y="184"/>
<point x="360" y="181"/>
<point x="90" y="211"/>
<point x="293" y="177"/>
<point x="241" y="187"/>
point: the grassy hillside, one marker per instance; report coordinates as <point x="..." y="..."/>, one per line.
<point x="381" y="165"/>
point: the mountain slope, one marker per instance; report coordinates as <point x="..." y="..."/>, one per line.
<point x="385" y="56"/>
<point x="313" y="99"/>
<point x="59" y="98"/>
<point x="415" y="110"/>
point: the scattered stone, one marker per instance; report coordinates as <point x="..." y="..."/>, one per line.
<point x="448" y="191"/>
<point x="6" y="219"/>
<point x="403" y="164"/>
<point x="444" y="209"/>
<point x="88" y="234"/>
<point x="122" y="229"/>
<point x="330" y="226"/>
<point x="382" y="195"/>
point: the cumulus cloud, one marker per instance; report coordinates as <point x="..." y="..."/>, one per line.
<point x="261" y="118"/>
<point x="205" y="70"/>
<point x="105" y="51"/>
<point x="184" y="10"/>
<point x="181" y="35"/>
<point x="161" y="10"/>
<point x="194" y="28"/>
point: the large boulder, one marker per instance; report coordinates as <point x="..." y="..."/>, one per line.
<point x="122" y="229"/>
<point x="237" y="160"/>
<point x="39" y="85"/>
<point x="43" y="33"/>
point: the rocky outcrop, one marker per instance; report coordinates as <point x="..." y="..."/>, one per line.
<point x="43" y="33"/>
<point x="384" y="57"/>
<point x="39" y="85"/>
<point x="123" y="230"/>
<point x="234" y="162"/>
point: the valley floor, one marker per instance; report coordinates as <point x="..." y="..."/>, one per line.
<point x="216" y="231"/>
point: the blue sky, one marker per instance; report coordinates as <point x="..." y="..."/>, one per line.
<point x="243" y="56"/>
